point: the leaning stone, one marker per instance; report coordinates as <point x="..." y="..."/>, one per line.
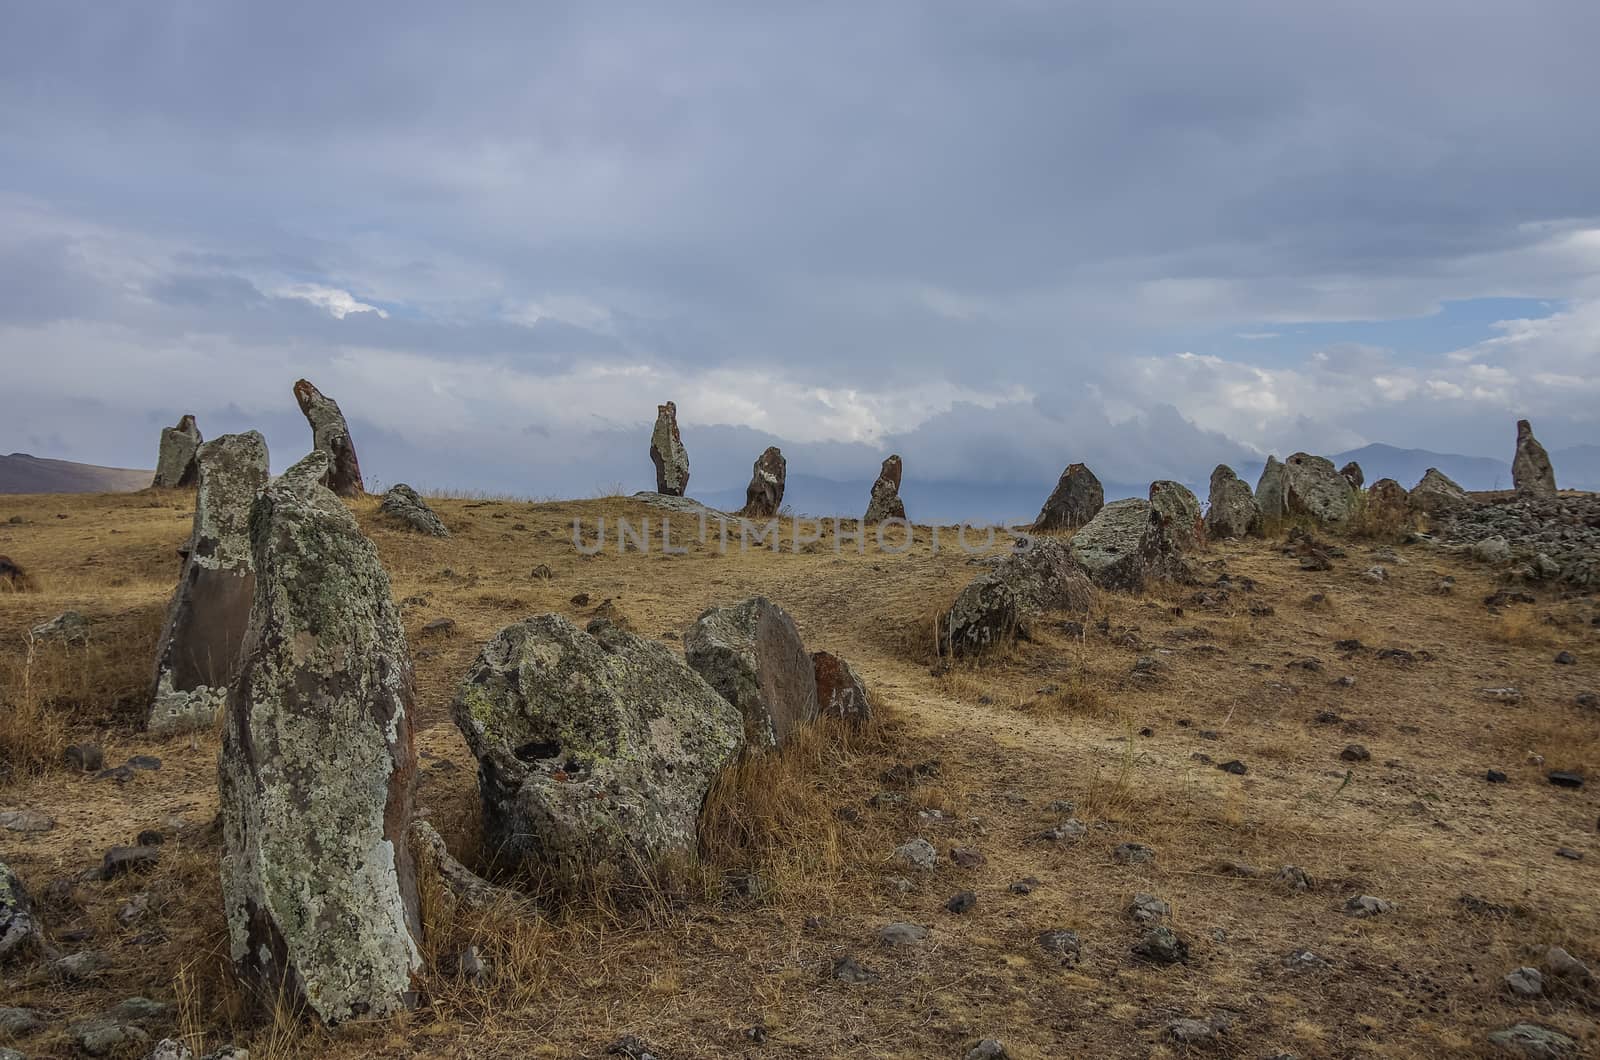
<point x="763" y="498"/>
<point x="199" y="648"/>
<point x="840" y="693"/>
<point x="1531" y="473"/>
<point x="1534" y="1042"/>
<point x="1435" y="493"/>
<point x="885" y="502"/>
<point x="19" y="931"/>
<point x="406" y="505"/>
<point x="595" y="749"/>
<point x="318" y="766"/>
<point x="1077" y="498"/>
<point x="1231" y="508"/>
<point x="331" y="434"/>
<point x="1003" y="602"/>
<point x="1269" y="490"/>
<point x="751" y="653"/>
<point x="175" y="461"/>
<point x="668" y="454"/>
<point x="1109" y="545"/>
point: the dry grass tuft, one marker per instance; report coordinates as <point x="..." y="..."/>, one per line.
<point x="1374" y="522"/>
<point x="1521" y="627"/>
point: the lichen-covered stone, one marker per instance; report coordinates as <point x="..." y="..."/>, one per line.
<point x="199" y="647"/>
<point x="1531" y="472"/>
<point x="406" y="505"/>
<point x="1313" y="489"/>
<point x="331" y="434"/>
<point x="1175" y="516"/>
<point x="999" y="604"/>
<point x="885" y="502"/>
<point x="763" y="498"/>
<point x="318" y="765"/>
<point x="1436" y="493"/>
<point x="1269" y="490"/>
<point x="840" y="693"/>
<point x="595" y="748"/>
<point x="19" y="931"/>
<point x="175" y="461"/>
<point x="752" y="654"/>
<point x="1231" y="508"/>
<point x="1353" y="474"/>
<point x="668" y="454"/>
<point x="1077" y="498"/>
<point x="1110" y="547"/>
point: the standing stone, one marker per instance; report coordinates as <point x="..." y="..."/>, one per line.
<point x="318" y="765"/>
<point x="668" y="454"/>
<point x="1001" y="604"/>
<point x="840" y="693"/>
<point x="1077" y="498"/>
<point x="331" y="434"/>
<point x="1231" y="509"/>
<point x="19" y="931"/>
<point x="1531" y="472"/>
<point x="1388" y="504"/>
<point x="1175" y="515"/>
<point x="763" y="498"/>
<point x="1313" y="489"/>
<point x="595" y="749"/>
<point x="885" y="502"/>
<point x="406" y="505"/>
<point x="199" y="648"/>
<point x="751" y="653"/>
<point x="1269" y="491"/>
<point x="1353" y="474"/>
<point x="175" y="462"/>
<point x="1436" y="492"/>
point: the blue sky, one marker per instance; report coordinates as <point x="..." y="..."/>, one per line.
<point x="995" y="238"/>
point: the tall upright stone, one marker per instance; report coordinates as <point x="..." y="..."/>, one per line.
<point x="1077" y="498"/>
<point x="199" y="648"/>
<point x="1353" y="474"/>
<point x="175" y="461"/>
<point x="331" y="434"/>
<point x="1531" y="473"/>
<point x="318" y="766"/>
<point x="763" y="498"/>
<point x="668" y="454"/>
<point x="1269" y="490"/>
<point x="885" y="502"/>
<point x="1175" y="516"/>
<point x="1314" y="489"/>
<point x="1231" y="508"/>
<point x="752" y="655"/>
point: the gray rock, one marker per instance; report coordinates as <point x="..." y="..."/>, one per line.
<point x="7" y="1053"/>
<point x="988" y="1049"/>
<point x="170" y="1049"/>
<point x="26" y="821"/>
<point x="175" y="460"/>
<point x="200" y="641"/>
<point x="1195" y="1032"/>
<point x="141" y="1010"/>
<point x="1493" y="550"/>
<point x="1004" y="601"/>
<point x="1303" y="960"/>
<point x="840" y="693"/>
<point x="1388" y="504"/>
<point x="1365" y="905"/>
<point x="75" y="967"/>
<point x="102" y="1036"/>
<point x="15" y="1022"/>
<point x="1313" y="489"/>
<point x="1175" y="517"/>
<point x="1353" y="474"/>
<point x="69" y="627"/>
<point x="464" y="885"/>
<point x="1531" y="473"/>
<point x="751" y="653"/>
<point x="1231" y="508"/>
<point x="901" y="934"/>
<point x="1295" y="878"/>
<point x="1436" y="493"/>
<point x="1065" y="946"/>
<point x="763" y="498"/>
<point x="1270" y="490"/>
<point x="1161" y="945"/>
<point x="318" y="765"/>
<point x="1147" y="908"/>
<point x="406" y="505"/>
<point x="1109" y="545"/>
<point x="1568" y="969"/>
<point x="885" y="502"/>
<point x="1525" y="982"/>
<point x="1077" y="498"/>
<point x="848" y="970"/>
<point x="1534" y="1042"/>
<point x="917" y="854"/>
<point x="1132" y="853"/>
<point x="668" y="454"/>
<point x="330" y="434"/>
<point x="19" y="930"/>
<point x="595" y="748"/>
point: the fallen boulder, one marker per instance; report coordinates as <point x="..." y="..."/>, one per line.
<point x="668" y="454"/>
<point x="595" y="748"/>
<point x="752" y="655"/>
<point x="1231" y="508"/>
<point x="885" y="502"/>
<point x="999" y="604"/>
<point x="1077" y="498"/>
<point x="175" y="460"/>
<point x="1436" y="494"/>
<point x="317" y="766"/>
<point x="840" y="693"/>
<point x="406" y="505"/>
<point x="199" y="647"/>
<point x="1132" y="542"/>
<point x="763" y="498"/>
<point x="1531" y="473"/>
<point x="331" y="434"/>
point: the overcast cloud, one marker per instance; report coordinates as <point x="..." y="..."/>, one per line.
<point x="994" y="237"/>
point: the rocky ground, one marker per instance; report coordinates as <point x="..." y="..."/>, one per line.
<point x="1314" y="812"/>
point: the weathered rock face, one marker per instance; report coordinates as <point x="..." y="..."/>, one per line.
<point x="1231" y="510"/>
<point x="330" y="434"/>
<point x="1437" y="493"/>
<point x="199" y="647"/>
<point x="175" y="462"/>
<point x="1175" y="516"/>
<point x="840" y="693"/>
<point x="595" y="749"/>
<point x="1353" y="474"/>
<point x="1269" y="490"/>
<point x="1077" y="498"/>
<point x="668" y="454"/>
<point x="1000" y="604"/>
<point x="317" y="766"/>
<point x="1388" y="504"/>
<point x="19" y="931"/>
<point x="752" y="655"/>
<point x="1531" y="472"/>
<point x="885" y="502"/>
<point x="763" y="498"/>
<point x="406" y="505"/>
<point x="1312" y="488"/>
<point x="1132" y="541"/>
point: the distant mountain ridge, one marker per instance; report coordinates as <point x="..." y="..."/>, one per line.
<point x="23" y="473"/>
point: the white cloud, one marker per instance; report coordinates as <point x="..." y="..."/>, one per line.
<point x="338" y="303"/>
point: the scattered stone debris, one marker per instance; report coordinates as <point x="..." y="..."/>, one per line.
<point x="1061" y="944"/>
